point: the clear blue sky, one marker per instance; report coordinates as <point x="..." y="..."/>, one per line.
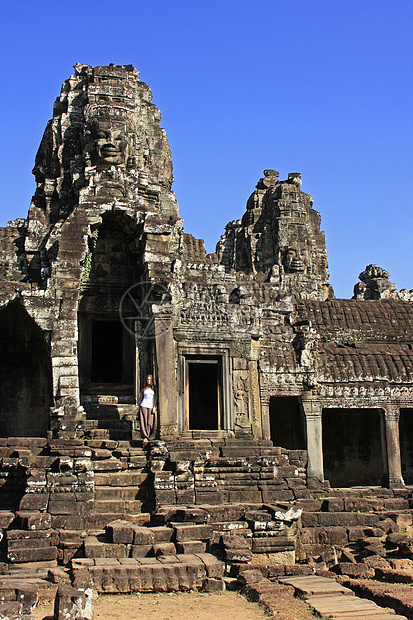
<point x="321" y="87"/>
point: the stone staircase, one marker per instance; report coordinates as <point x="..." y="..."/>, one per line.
<point x="227" y="469"/>
<point x="331" y="600"/>
<point x="111" y="421"/>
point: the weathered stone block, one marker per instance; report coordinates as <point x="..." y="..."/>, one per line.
<point x="10" y="611"/>
<point x="162" y="534"/>
<point x="34" y="501"/>
<point x="184" y="533"/>
<point x="166" y="548"/>
<point x="33" y="520"/>
<point x="64" y="504"/>
<point x="214" y="568"/>
<point x="6" y="518"/>
<point x="41" y="554"/>
<point x="71" y="604"/>
<point x="120" y="532"/>
<point x="213" y="585"/>
<point x="191" y="547"/>
<point x="143" y="536"/>
<point x="97" y="549"/>
<point x="347" y="519"/>
<point x="140" y="551"/>
<point x="238" y="555"/>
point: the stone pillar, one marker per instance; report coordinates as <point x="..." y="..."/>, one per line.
<point x="255" y="397"/>
<point x="315" y="470"/>
<point x="164" y="346"/>
<point x="394" y="466"/>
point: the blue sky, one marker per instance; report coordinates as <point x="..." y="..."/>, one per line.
<point x="321" y="87"/>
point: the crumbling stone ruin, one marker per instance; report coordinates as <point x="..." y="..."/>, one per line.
<point x="270" y="390"/>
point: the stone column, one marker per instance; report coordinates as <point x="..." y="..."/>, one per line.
<point x="315" y="469"/>
<point x="391" y="420"/>
<point x="255" y="397"/>
<point x="167" y="420"/>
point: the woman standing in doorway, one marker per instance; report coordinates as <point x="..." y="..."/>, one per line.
<point x="147" y="408"/>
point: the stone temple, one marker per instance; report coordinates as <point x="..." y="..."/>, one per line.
<point x="269" y="388"/>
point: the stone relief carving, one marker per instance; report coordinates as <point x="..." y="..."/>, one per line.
<point x="241" y="385"/>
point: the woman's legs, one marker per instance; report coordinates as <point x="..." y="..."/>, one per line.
<point x="146" y="420"/>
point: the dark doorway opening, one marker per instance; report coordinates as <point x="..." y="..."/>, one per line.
<point x="26" y="392"/>
<point x="106" y="352"/>
<point x="353" y="447"/>
<point x="406" y="445"/>
<point x="204" y="394"/>
<point x="287" y="424"/>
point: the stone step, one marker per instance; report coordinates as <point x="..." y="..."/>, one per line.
<point x="337" y="607"/>
<point x="106" y="493"/>
<point x="98" y="521"/>
<point x="112" y="434"/>
<point x="308" y="585"/>
<point x="331" y="600"/>
<point x="120" y="478"/>
<point x="109" y="506"/>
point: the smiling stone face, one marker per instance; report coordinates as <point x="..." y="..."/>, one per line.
<point x="108" y="144"/>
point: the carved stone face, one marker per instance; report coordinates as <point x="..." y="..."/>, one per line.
<point x="108" y="145"/>
<point x="292" y="262"/>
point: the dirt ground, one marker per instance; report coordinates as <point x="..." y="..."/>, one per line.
<point x="169" y="606"/>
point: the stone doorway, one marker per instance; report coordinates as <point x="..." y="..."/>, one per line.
<point x="353" y="447"/>
<point x="26" y="392"/>
<point x="406" y="447"/>
<point x="106" y="358"/>
<point x="204" y="393"/>
<point x="287" y="422"/>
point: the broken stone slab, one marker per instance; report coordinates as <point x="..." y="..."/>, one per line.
<point x="58" y="575"/>
<point x="72" y="604"/>
<point x="33" y="520"/>
<point x="238" y="555"/>
<point x="26" y="594"/>
<point x="10" y="611"/>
